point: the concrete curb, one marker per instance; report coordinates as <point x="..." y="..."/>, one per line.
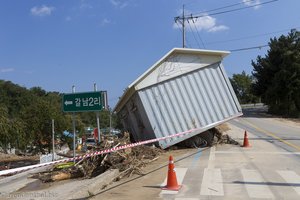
<point x="95" y="185"/>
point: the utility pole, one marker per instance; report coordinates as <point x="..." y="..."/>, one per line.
<point x="181" y="20"/>
<point x="183" y="27"/>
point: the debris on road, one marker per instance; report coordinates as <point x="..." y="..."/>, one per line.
<point x="221" y="137"/>
<point x="10" y="161"/>
<point x="209" y="138"/>
<point x="128" y="161"/>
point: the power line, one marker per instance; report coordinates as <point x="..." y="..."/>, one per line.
<point x="221" y="8"/>
<point x="199" y="34"/>
<point x="183" y="18"/>
<point x="249" y="48"/>
<point x="228" y="11"/>
<point x="193" y="34"/>
<point x="250" y="36"/>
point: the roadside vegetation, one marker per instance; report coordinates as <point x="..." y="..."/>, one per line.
<point x="275" y="78"/>
<point x="26" y="115"/>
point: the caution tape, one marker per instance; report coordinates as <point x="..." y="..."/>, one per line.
<point x="106" y="151"/>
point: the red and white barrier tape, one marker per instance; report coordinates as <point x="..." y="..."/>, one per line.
<point x="22" y="169"/>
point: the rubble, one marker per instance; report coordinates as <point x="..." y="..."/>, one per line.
<point x="209" y="138"/>
<point x="221" y="138"/>
<point x="127" y="161"/>
<point x="10" y="161"/>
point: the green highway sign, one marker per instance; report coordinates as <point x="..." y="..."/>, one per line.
<point x="81" y="102"/>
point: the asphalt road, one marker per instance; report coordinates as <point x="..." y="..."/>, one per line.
<point x="269" y="169"/>
<point x="280" y="132"/>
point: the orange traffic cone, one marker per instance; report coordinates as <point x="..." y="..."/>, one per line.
<point x="246" y="141"/>
<point x="172" y="179"/>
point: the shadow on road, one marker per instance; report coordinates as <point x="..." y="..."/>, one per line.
<point x="267" y="183"/>
<point x="259" y="111"/>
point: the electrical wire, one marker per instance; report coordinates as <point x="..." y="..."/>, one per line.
<point x="193" y="34"/>
<point x="192" y="17"/>
<point x="227" y="11"/>
<point x="199" y="35"/>
<point x="249" y="48"/>
<point x="250" y="36"/>
<point x="221" y="8"/>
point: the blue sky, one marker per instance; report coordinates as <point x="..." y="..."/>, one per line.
<point x="55" y="44"/>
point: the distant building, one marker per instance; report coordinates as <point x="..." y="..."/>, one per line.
<point x="185" y="89"/>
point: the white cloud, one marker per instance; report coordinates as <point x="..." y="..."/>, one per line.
<point x="206" y="23"/>
<point x="84" y="5"/>
<point x="119" y="3"/>
<point x="218" y="28"/>
<point x="105" y="21"/>
<point x="42" y="10"/>
<point x="252" y="3"/>
<point x="6" y="70"/>
<point x="68" y="18"/>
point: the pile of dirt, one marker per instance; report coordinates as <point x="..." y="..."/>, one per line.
<point x="220" y="137"/>
<point x="209" y="138"/>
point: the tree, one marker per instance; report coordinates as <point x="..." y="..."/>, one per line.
<point x="241" y="84"/>
<point x="26" y="115"/>
<point x="277" y="75"/>
<point x="4" y="127"/>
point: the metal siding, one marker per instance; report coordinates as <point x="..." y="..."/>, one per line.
<point x="189" y="95"/>
<point x="205" y="94"/>
<point x="142" y="118"/>
<point x="167" y="109"/>
<point x="196" y="99"/>
<point x="226" y="96"/>
<point x="216" y="93"/>
<point x="193" y="100"/>
<point x="229" y="86"/>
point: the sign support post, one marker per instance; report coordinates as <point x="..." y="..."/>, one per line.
<point x="53" y="140"/>
<point x="85" y="102"/>
<point x="74" y="128"/>
<point x="98" y="118"/>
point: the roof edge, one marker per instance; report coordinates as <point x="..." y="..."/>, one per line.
<point x="131" y="88"/>
<point x="177" y="50"/>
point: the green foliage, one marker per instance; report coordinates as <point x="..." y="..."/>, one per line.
<point x="241" y="84"/>
<point x="26" y="117"/>
<point x="278" y="75"/>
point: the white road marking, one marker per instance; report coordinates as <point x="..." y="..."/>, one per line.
<point x="291" y="178"/>
<point x="211" y="158"/>
<point x="255" y="184"/>
<point x="180" y="173"/>
<point x="256" y="152"/>
<point x="187" y="199"/>
<point x="212" y="182"/>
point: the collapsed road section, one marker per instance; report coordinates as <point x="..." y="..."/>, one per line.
<point x="186" y="89"/>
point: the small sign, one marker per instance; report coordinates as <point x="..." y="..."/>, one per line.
<point x="81" y="102"/>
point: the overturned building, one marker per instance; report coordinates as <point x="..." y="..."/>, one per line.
<point x="186" y="89"/>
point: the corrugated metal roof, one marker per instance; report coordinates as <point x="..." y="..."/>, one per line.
<point x="186" y="89"/>
<point x="193" y="100"/>
<point x="133" y="86"/>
